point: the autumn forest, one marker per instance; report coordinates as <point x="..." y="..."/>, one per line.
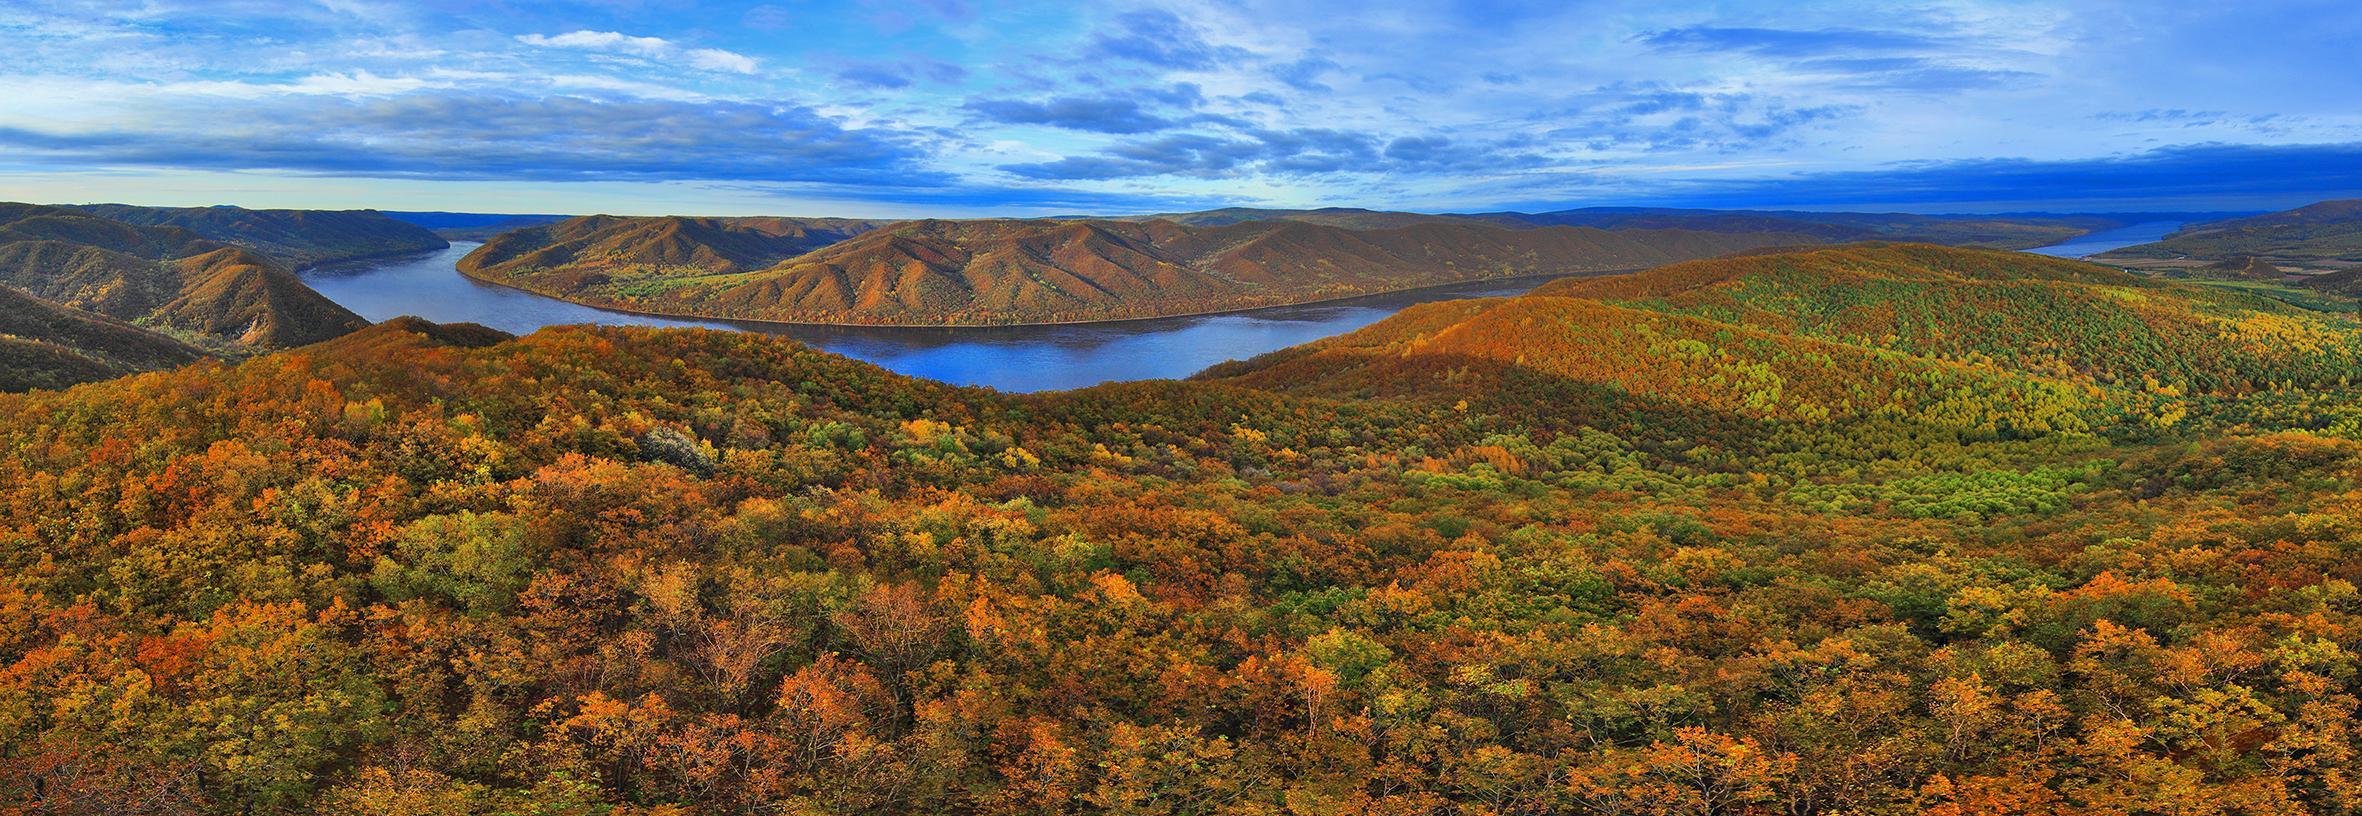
<point x="1865" y="529"/>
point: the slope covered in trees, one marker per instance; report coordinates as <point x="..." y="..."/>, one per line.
<point x="45" y="345"/>
<point x="295" y="238"/>
<point x="224" y="298"/>
<point x="2051" y="317"/>
<point x="430" y="569"/>
<point x="1993" y="343"/>
<point x="608" y="245"/>
<point x="998" y="272"/>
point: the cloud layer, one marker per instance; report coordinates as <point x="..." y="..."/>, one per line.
<point x="984" y="107"/>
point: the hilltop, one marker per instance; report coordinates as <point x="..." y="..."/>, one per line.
<point x="602" y="244"/>
<point x="983" y="272"/>
<point x="297" y="239"/>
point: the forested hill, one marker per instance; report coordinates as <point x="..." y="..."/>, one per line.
<point x="2317" y="245"/>
<point x="1725" y="537"/>
<point x="46" y="345"/>
<point x="93" y="273"/>
<point x="295" y="238"/>
<point x="603" y="243"/>
<point x="985" y="272"/>
<point x="1990" y="341"/>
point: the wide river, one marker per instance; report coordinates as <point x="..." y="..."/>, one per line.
<point x="2105" y="240"/>
<point x="1018" y="358"/>
<point x="1022" y="358"/>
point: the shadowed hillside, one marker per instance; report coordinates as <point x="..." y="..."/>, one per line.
<point x="999" y="272"/>
<point x="598" y="244"/>
<point x="225" y="298"/>
<point x="233" y="294"/>
<point x="295" y="238"/>
<point x="45" y="345"/>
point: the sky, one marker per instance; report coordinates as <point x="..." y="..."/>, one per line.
<point x="978" y="108"/>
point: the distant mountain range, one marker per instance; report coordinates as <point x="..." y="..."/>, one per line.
<point x="986" y="272"/>
<point x="95" y="297"/>
<point x="2002" y="231"/>
<point x="459" y="226"/>
<point x="1063" y="269"/>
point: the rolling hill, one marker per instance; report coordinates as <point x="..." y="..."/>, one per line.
<point x="1974" y="340"/>
<point x="45" y="345"/>
<point x="605" y="244"/>
<point x="224" y="298"/>
<point x="986" y="272"/>
<point x="298" y="239"/>
<point x="2320" y="243"/>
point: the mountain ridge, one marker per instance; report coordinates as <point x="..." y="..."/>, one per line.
<point x="299" y="239"/>
<point x="1000" y="272"/>
<point x="224" y="298"/>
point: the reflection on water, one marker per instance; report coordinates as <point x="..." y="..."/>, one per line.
<point x="1018" y="358"/>
<point x="2105" y="240"/>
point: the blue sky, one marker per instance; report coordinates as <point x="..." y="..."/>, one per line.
<point x="970" y="107"/>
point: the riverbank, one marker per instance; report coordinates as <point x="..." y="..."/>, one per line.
<point x="605" y="306"/>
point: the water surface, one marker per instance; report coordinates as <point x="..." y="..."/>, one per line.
<point x="2104" y="240"/>
<point x="1014" y="358"/>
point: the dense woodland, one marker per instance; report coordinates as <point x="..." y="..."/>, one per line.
<point x="1869" y="530"/>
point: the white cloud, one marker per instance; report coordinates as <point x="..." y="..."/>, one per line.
<point x="705" y="59"/>
<point x="715" y="59"/>
<point x="601" y="41"/>
<point x="357" y="83"/>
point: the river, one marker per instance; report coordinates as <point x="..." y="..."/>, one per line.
<point x="1018" y="358"/>
<point x="2104" y="240"/>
